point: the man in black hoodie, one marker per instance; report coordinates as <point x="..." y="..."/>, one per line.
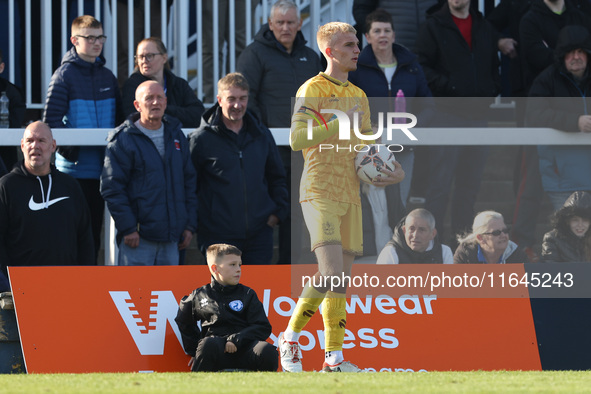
<point x="275" y="65"/>
<point x="44" y="219"/>
<point x="559" y="98"/>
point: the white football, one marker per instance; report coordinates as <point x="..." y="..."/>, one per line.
<point x="371" y="160"/>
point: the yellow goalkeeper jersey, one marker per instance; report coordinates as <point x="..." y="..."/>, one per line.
<point x="329" y="170"/>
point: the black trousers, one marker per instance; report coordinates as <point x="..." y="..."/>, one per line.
<point x="96" y="204"/>
<point x="257" y="356"/>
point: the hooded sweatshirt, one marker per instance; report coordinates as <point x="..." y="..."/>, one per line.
<point x="558" y="100"/>
<point x="44" y="220"/>
<point x="561" y="245"/>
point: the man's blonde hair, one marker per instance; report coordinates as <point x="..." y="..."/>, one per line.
<point x="216" y="251"/>
<point x="85" y="21"/>
<point x="236" y="80"/>
<point x="327" y="33"/>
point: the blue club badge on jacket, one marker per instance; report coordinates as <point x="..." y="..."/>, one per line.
<point x="236" y="305"/>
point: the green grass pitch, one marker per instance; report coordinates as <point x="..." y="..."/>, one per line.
<point x="307" y="383"/>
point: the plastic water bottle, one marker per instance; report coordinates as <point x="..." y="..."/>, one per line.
<point x="4" y="101"/>
<point x="400" y="106"/>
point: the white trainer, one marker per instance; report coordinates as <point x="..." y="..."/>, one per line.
<point x="344" y="366"/>
<point x="291" y="355"/>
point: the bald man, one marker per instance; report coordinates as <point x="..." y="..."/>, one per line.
<point x="149" y="183"/>
<point x="44" y="218"/>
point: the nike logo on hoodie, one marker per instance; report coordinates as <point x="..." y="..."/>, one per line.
<point x="35" y="206"/>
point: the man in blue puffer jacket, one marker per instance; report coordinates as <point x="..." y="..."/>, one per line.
<point x="148" y="181"/>
<point x="83" y="93"/>
<point x="241" y="185"/>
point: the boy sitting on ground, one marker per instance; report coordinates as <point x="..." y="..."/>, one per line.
<point x="233" y="326"/>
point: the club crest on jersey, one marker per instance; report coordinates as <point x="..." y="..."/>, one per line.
<point x="236" y="305"/>
<point x="177" y="144"/>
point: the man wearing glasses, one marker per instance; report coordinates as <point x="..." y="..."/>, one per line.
<point x="83" y="93"/>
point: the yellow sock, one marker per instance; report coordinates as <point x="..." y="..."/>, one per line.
<point x="334" y="314"/>
<point x="307" y="305"/>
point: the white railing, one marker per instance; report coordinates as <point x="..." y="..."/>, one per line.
<point x="38" y="43"/>
<point x="425" y="136"/>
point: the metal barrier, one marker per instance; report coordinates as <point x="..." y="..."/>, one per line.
<point x="182" y="38"/>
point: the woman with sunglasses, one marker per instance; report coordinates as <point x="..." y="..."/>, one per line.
<point x="152" y="64"/>
<point x="488" y="243"/>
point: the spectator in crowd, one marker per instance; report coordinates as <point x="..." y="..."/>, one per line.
<point x="559" y="98"/>
<point x="539" y="30"/>
<point x="415" y="242"/>
<point x="148" y="181"/>
<point x="505" y="18"/>
<point x="83" y="93"/>
<point x="224" y="324"/>
<point x="152" y="64"/>
<point x="223" y="34"/>
<point x="407" y="16"/>
<point x="570" y="238"/>
<point x="453" y="43"/>
<point x="384" y="68"/>
<point x="138" y="30"/>
<point x="275" y="65"/>
<point x="16" y="110"/>
<point x="488" y="243"/>
<point x="240" y="178"/>
<point x="44" y="219"/>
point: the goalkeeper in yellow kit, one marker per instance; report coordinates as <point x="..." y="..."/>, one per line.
<point x="329" y="192"/>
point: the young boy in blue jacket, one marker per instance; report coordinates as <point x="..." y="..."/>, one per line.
<point x="83" y="93"/>
<point x="223" y="324"/>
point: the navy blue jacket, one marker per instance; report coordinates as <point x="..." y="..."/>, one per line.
<point x="144" y="192"/>
<point x="408" y="76"/>
<point x="82" y="95"/>
<point x="240" y="178"/>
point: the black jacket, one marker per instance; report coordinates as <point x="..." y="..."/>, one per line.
<point x="557" y="101"/>
<point x="274" y="75"/>
<point x="240" y="177"/>
<point x="538" y="33"/>
<point x="233" y="312"/>
<point x="506" y="18"/>
<point x="560" y="245"/>
<point x="43" y="220"/>
<point x="451" y="68"/>
<point x="3" y="170"/>
<point x="182" y="103"/>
